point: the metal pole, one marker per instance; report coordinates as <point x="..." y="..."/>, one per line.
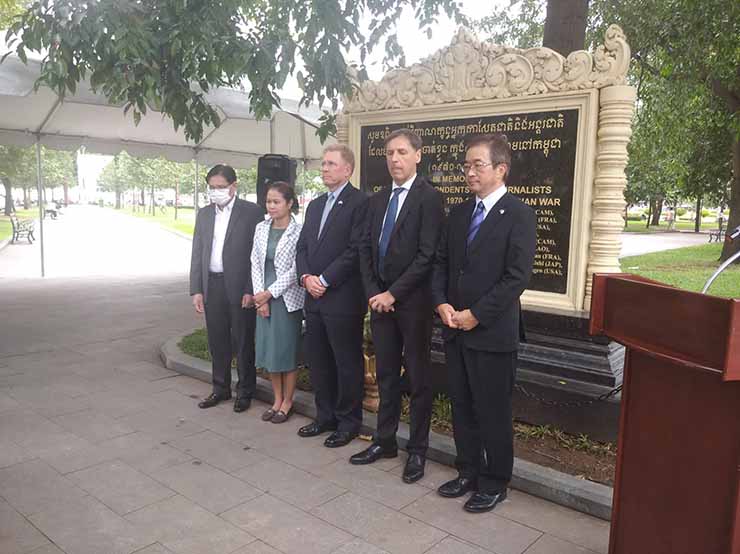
<point x="40" y="192"/>
<point x="195" y="188"/>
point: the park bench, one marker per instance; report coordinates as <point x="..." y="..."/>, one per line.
<point x="716" y="235"/>
<point x="21" y="229"/>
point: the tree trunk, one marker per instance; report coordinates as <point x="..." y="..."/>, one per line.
<point x="729" y="248"/>
<point x="657" y="209"/>
<point x="565" y="25"/>
<point x="66" y="194"/>
<point x="697" y="219"/>
<point x="26" y="199"/>
<point x="118" y="199"/>
<point x="9" y="207"/>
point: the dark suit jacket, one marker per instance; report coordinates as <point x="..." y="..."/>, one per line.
<point x="237" y="249"/>
<point x="408" y="261"/>
<point x="335" y="253"/>
<point x="490" y="275"/>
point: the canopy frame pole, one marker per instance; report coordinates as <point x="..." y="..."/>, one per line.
<point x="40" y="193"/>
<point x="195" y="187"/>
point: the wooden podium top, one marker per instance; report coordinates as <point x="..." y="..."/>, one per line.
<point x="695" y="329"/>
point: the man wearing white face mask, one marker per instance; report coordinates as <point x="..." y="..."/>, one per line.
<point x="221" y="285"/>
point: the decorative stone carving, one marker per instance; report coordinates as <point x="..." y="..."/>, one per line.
<point x="615" y="129"/>
<point x="472" y="70"/>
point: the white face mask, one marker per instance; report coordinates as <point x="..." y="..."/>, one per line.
<point x="220" y="197"/>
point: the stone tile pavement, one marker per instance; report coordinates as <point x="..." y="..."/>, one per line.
<point x="103" y="451"/>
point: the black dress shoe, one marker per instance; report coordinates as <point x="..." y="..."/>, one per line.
<point x="339" y="438"/>
<point x="372" y="454"/>
<point x="313" y="429"/>
<point x="414" y="469"/>
<point x="242" y="403"/>
<point x="212" y="399"/>
<point x="484" y="502"/>
<point x="457" y="487"/>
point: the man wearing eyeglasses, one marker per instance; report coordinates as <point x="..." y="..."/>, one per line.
<point x="483" y="264"/>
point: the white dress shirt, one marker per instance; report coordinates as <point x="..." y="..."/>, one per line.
<point x="401" y="198"/>
<point x="490" y="201"/>
<point x="220" y="225"/>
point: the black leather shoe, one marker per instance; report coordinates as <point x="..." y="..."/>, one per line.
<point x="313" y="429"/>
<point x="457" y="487"/>
<point x="242" y="403"/>
<point x="484" y="502"/>
<point x="414" y="469"/>
<point x="212" y="399"/>
<point x="339" y="438"/>
<point x="372" y="454"/>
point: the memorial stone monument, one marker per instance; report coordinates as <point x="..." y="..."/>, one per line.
<point x="568" y="120"/>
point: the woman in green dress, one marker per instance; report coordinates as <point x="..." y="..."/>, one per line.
<point x="278" y="298"/>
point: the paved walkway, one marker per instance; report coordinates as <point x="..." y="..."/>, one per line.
<point x="103" y="451"/>
<point x="87" y="240"/>
<point x="635" y="244"/>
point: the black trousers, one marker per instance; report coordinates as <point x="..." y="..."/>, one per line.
<point x="481" y="384"/>
<point x="230" y="330"/>
<point x="403" y="335"/>
<point x="334" y="352"/>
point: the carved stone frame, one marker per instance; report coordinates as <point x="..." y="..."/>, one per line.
<point x="470" y="78"/>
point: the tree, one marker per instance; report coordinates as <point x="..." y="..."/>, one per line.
<point x="16" y="167"/>
<point x="166" y="54"/>
<point x="59" y="169"/>
<point x="9" y="10"/>
<point x="565" y="25"/>
<point x="691" y="44"/>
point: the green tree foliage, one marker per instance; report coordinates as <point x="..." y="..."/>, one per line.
<point x="58" y="168"/>
<point x="166" y="54"/>
<point x="686" y="67"/>
<point x="9" y="11"/>
<point x="16" y="165"/>
<point x="691" y="49"/>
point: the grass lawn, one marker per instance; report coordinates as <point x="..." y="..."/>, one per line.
<point x="6" y="229"/>
<point x="686" y="268"/>
<point x="639" y="227"/>
<point x="185" y="222"/>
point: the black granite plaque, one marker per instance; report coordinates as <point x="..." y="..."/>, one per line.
<point x="544" y="146"/>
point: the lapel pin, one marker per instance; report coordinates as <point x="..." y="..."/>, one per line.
<point x="340" y="202"/>
<point x="501" y="211"/>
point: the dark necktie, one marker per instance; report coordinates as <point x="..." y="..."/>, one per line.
<point x="475" y="223"/>
<point x="390" y="221"/>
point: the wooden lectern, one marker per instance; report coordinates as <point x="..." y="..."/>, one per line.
<point x="677" y="486"/>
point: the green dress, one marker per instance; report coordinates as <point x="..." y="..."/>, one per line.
<point x="277" y="338"/>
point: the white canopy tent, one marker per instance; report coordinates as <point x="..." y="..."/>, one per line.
<point x="87" y="119"/>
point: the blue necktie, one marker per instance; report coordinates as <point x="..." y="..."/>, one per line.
<point x="475" y="223"/>
<point x="390" y="221"/>
<point x="327" y="208"/>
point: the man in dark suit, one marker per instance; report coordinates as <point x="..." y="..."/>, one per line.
<point x="403" y="225"/>
<point x="221" y="285"/>
<point x="483" y="264"/>
<point x="328" y="268"/>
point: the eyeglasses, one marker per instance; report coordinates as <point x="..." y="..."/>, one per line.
<point x="477" y="166"/>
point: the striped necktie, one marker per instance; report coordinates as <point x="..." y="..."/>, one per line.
<point x="475" y="223"/>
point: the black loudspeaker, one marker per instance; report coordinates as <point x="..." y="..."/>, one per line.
<point x="274" y="167"/>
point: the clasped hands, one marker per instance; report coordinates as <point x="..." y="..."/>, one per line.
<point x="314" y="286"/>
<point x="261" y="301"/>
<point x="464" y="319"/>
<point x="382" y="302"/>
